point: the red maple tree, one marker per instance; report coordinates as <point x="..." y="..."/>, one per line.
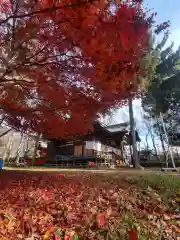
<point x="65" y="62"/>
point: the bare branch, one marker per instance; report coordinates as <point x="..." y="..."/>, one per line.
<point x="6" y="132"/>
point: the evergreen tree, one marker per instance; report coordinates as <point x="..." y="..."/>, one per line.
<point x="163" y="92"/>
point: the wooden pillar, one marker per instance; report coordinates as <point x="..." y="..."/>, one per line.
<point x="83" y="148"/>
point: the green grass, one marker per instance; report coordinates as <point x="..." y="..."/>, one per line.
<point x="166" y="186"/>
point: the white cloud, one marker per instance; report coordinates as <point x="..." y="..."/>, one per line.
<point x="122" y="115"/>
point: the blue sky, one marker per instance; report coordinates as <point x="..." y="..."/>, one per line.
<point x="166" y="10"/>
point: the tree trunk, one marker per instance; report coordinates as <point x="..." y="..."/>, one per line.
<point x="169" y="149"/>
<point x="26" y="144"/>
<point x="35" y="148"/>
<point x="7" y="151"/>
<point x="51" y="150"/>
<point x="153" y="141"/>
<point x="133" y="134"/>
<point x="162" y="142"/>
<point x="154" y="145"/>
<point x="19" y="149"/>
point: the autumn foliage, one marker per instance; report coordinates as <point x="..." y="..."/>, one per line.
<point x="65" y="62"/>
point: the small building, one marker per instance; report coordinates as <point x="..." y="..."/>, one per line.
<point x="103" y="146"/>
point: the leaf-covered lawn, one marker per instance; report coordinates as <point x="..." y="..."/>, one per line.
<point x="34" y="205"/>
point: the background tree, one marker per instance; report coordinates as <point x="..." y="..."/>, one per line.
<point x="162" y="95"/>
<point x="170" y="88"/>
<point x="148" y="64"/>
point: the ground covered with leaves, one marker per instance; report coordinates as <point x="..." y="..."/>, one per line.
<point x="36" y="205"/>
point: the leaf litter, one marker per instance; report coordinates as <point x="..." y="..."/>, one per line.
<point x="81" y="206"/>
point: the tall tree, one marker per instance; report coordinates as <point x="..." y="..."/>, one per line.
<point x="63" y="62"/>
<point x="162" y="90"/>
<point x="170" y="89"/>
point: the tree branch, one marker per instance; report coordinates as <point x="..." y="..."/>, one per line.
<point x="46" y="10"/>
<point x="6" y="132"/>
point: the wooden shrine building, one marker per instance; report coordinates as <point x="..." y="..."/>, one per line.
<point x="102" y="146"/>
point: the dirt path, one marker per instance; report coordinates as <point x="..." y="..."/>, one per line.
<point x="121" y="171"/>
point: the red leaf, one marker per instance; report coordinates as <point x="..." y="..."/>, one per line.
<point x="133" y="234"/>
<point x="101" y="219"/>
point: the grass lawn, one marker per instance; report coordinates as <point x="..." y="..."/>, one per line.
<point x="95" y="205"/>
